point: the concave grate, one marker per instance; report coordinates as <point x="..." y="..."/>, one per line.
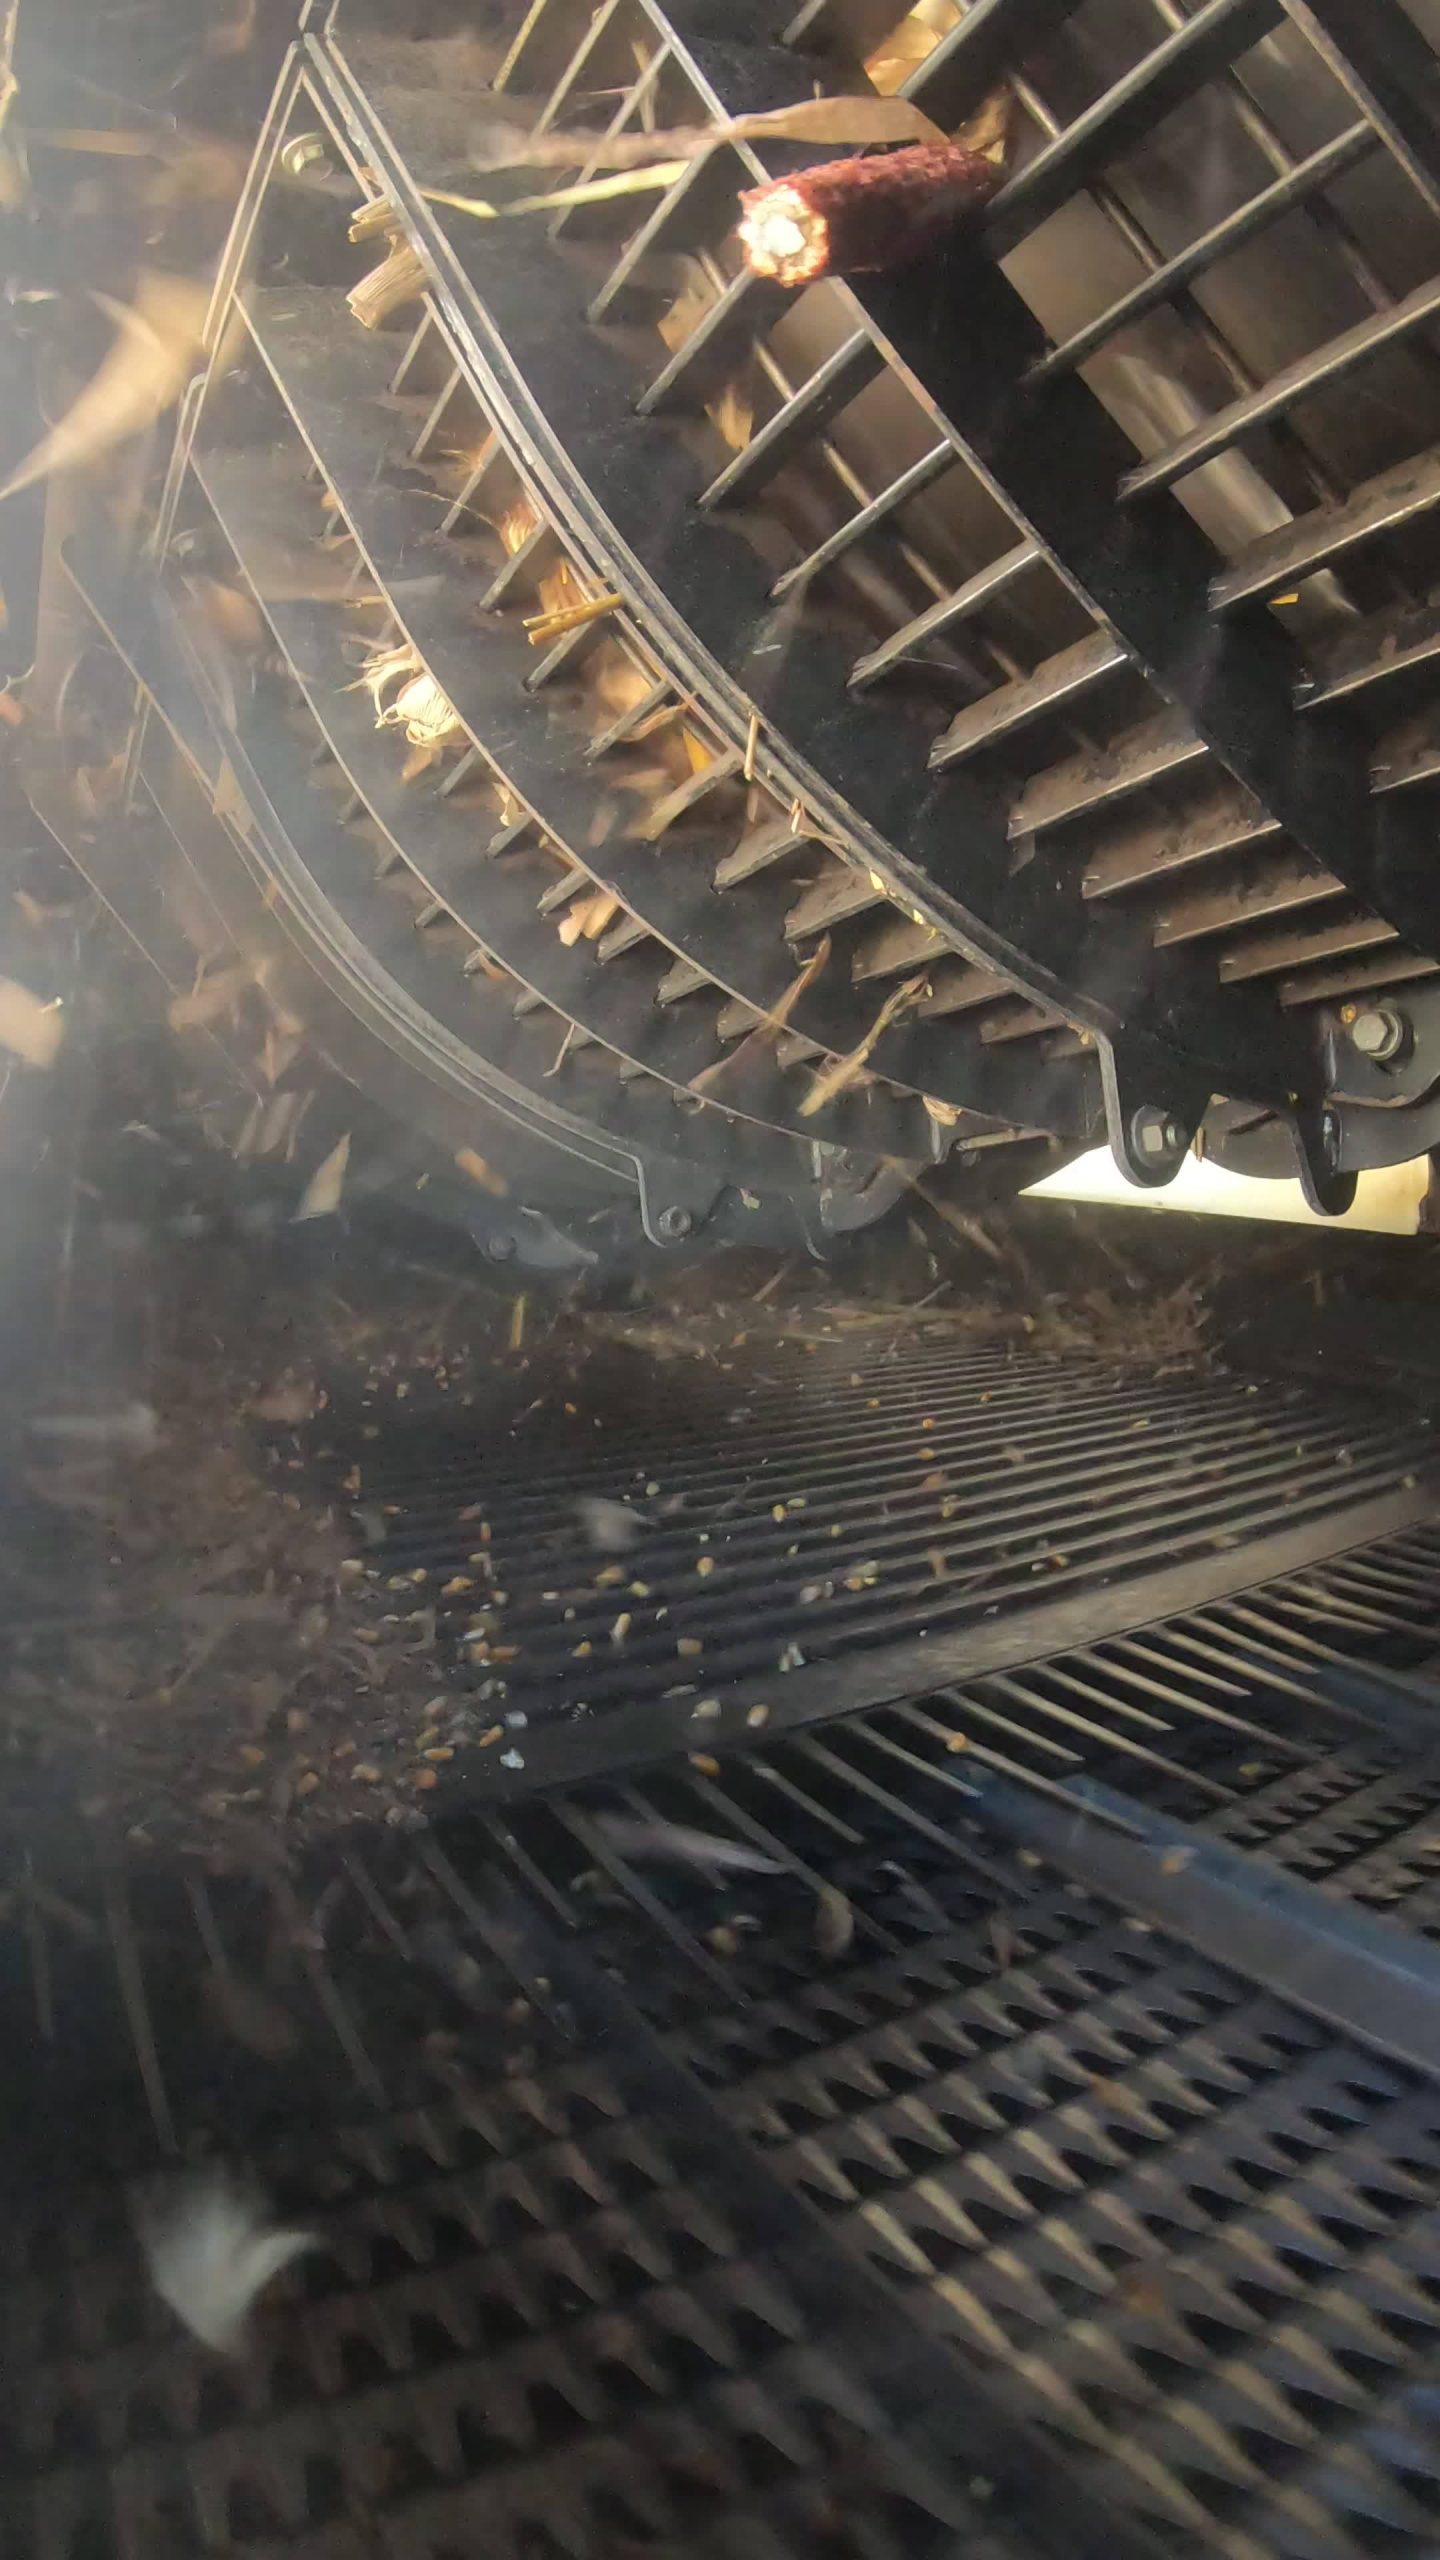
<point x="826" y="1521"/>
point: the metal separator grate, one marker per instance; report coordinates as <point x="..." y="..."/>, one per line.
<point x="824" y="1521"/>
<point x="913" y="2193"/>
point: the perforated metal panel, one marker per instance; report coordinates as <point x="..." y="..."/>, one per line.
<point x="996" y="2164"/>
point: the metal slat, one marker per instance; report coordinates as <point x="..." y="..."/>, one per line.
<point x="843" y="892"/>
<point x="920" y="476"/>
<point x="1285" y="558"/>
<point x="441" y="846"/>
<point x="1268" y="889"/>
<point x="1389" y="69"/>
<point x="633" y="106"/>
<point x="993" y="39"/>
<point x="1274" y="951"/>
<point x="671" y="897"/>
<point x="1153" y="847"/>
<point x="1052" y="686"/>
<point x="955" y="987"/>
<point x="1128" y="112"/>
<point x="851" y="28"/>
<point x="1292" y="188"/>
<point x="1147" y="578"/>
<point x="717" y="346"/>
<point x="684" y="218"/>
<point x="1359" y="977"/>
<point x="971" y="598"/>
<point x="1406" y="635"/>
<point x="838" y="380"/>
<point x="1319" y="371"/>
<point x="898" y="944"/>
<point x="1094" y="777"/>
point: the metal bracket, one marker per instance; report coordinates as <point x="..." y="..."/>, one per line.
<point x="1362" y="1975"/>
<point x="1318" y="1134"/>
<point x="676" y="1200"/>
<point x="1150" y="1130"/>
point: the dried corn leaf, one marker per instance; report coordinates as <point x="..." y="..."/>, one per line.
<point x="771" y="1022"/>
<point x="732" y="415"/>
<point x="242" y="2010"/>
<point x="617" y="680"/>
<point x="98" y="142"/>
<point x="695" y="298"/>
<point x="420" y="708"/>
<point x="211" y="996"/>
<point x="325" y="1189"/>
<point x="629" y="182"/>
<point x="29" y="1028"/>
<point x="515" y="524"/>
<point x="9" y="85"/>
<point x="589" y="918"/>
<point x="401" y="660"/>
<point x="475" y="1166"/>
<point x="148" y="365"/>
<point x="910" y="43"/>
<point x="990" y="131"/>
<point x="233" y="35"/>
<point x="847" y="122"/>
<point x="232" y="616"/>
<point x="834" y="1921"/>
<point x="843" y="1071"/>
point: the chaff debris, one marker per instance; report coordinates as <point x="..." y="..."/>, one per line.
<point x="149" y="363"/>
<point x="834" y="1079"/>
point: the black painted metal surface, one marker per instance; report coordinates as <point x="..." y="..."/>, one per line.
<point x="1025" y="658"/>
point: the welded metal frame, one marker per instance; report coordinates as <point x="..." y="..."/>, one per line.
<point x="1115" y="1016"/>
<point x="1309" y="775"/>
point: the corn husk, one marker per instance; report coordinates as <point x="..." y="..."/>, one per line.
<point x="29" y="1027"/>
<point x="771" y="1023"/>
<point x="399" y="279"/>
<point x="420" y="707"/>
<point x="629" y="182"/>
<point x="841" y="1072"/>
<point x="849" y="122"/>
<point x="325" y="1189"/>
<point x="148" y="365"/>
<point x="475" y="1169"/>
<point x="589" y="917"/>
<point x="211" y="2255"/>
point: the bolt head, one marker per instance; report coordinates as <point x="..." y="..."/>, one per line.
<point x="1156" y="1133"/>
<point x="673" y="1224"/>
<point x="501" y="1247"/>
<point x="306" y="151"/>
<point x="1379" y="1032"/>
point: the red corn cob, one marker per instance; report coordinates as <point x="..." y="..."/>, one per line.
<point x="855" y="217"/>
